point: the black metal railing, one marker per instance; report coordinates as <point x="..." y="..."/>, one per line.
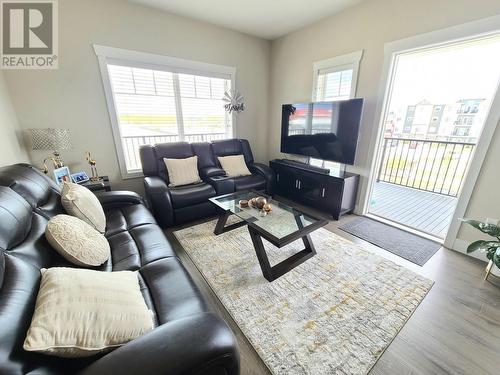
<point x="435" y="166"/>
<point x="131" y="144"/>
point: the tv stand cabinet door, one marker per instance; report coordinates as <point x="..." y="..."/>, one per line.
<point x="310" y="188"/>
<point x="332" y="198"/>
<point x="286" y="182"/>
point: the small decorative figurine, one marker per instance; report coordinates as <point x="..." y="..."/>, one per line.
<point x="260" y="202"/>
<point x="93" y="168"/>
<point x="243" y="203"/>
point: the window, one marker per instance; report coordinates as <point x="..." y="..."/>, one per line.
<point x="155" y="99"/>
<point x="335" y="79"/>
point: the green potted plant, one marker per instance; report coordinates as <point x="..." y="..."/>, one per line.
<point x="490" y="248"/>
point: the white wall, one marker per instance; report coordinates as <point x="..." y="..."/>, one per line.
<point x="369" y="26"/>
<point x="11" y="146"/>
<point x="72" y="96"/>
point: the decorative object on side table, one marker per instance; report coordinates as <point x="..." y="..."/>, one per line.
<point x="54" y="140"/>
<point x="62" y="175"/>
<point x="234" y="101"/>
<point x="93" y="169"/>
<point x="491" y="248"/>
<point x="80" y="177"/>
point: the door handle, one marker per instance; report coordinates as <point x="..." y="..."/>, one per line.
<point x="296" y="184"/>
<point x="299" y="184"/>
<point x="277" y="177"/>
<point x="323" y="192"/>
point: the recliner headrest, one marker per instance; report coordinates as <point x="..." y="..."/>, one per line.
<point x="35" y="187"/>
<point x="15" y="218"/>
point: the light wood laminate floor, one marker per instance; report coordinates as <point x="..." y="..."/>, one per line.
<point x="455" y="330"/>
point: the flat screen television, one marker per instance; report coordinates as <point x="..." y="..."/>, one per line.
<point x="322" y="130"/>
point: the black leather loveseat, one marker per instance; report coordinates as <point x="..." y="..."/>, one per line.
<point x="175" y="205"/>
<point x="188" y="339"/>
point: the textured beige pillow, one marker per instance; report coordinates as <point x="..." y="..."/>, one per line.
<point x="81" y="202"/>
<point x="234" y="165"/>
<point x="77" y="241"/>
<point x="80" y="312"/>
<point x="182" y="171"/>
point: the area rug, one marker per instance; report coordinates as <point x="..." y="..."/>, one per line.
<point x="334" y="314"/>
<point x="407" y="245"/>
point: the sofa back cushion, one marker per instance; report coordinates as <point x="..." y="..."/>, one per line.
<point x="41" y="192"/>
<point x="228" y="147"/>
<point x="152" y="157"/>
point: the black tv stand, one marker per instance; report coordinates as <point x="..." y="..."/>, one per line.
<point x="311" y="186"/>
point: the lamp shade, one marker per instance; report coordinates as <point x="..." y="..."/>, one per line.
<point x="51" y="139"/>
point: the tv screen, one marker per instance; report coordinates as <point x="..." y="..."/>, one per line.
<point x="322" y="130"/>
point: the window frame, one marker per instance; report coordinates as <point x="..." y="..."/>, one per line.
<point x="337" y="64"/>
<point x="135" y="59"/>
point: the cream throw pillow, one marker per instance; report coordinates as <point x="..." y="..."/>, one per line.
<point x="182" y="171"/>
<point x="234" y="165"/>
<point x="81" y="202"/>
<point x="77" y="241"/>
<point x="80" y="312"/>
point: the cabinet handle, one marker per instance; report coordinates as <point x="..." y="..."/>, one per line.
<point x="277" y="177"/>
<point x="300" y="182"/>
<point x="295" y="184"/>
<point x="323" y="192"/>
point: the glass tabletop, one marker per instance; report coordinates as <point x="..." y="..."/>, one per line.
<point x="282" y="221"/>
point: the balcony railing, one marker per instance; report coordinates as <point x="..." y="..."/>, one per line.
<point x="131" y="144"/>
<point x="434" y="166"/>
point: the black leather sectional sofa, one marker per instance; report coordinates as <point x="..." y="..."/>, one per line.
<point x="175" y="205"/>
<point x="188" y="339"/>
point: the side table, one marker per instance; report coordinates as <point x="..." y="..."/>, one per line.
<point x="103" y="185"/>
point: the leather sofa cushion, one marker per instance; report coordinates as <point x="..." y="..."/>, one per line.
<point x="189" y="195"/>
<point x="254" y="181"/>
<point x="172" y="290"/>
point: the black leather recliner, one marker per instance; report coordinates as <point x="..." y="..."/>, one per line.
<point x="176" y="205"/>
<point x="189" y="339"/>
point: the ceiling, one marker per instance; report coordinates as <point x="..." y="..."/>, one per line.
<point x="267" y="19"/>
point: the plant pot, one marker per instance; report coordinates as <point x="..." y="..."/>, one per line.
<point x="495" y="270"/>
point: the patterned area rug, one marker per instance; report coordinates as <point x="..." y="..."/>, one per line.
<point x="334" y="314"/>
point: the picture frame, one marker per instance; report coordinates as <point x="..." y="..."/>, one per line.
<point x="80" y="177"/>
<point x="62" y="175"/>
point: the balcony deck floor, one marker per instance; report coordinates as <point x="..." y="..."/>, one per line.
<point x="421" y="210"/>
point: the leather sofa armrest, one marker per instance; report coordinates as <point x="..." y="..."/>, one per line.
<point x="118" y="198"/>
<point x="211" y="172"/>
<point x="266" y="172"/>
<point x="198" y="344"/>
<point x="221" y="184"/>
<point x="158" y="197"/>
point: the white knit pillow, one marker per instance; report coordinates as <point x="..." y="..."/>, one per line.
<point x="81" y="202"/>
<point x="77" y="241"/>
<point x="182" y="171"/>
<point x="234" y="165"/>
<point x="79" y="312"/>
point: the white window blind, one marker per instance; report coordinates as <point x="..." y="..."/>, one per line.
<point x="333" y="85"/>
<point x="157" y="106"/>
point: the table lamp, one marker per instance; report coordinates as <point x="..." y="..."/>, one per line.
<point x="54" y="140"/>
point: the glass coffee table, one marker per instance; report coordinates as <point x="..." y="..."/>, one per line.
<point x="282" y="226"/>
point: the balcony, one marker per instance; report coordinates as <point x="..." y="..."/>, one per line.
<point x="419" y="181"/>
<point x="132" y="143"/>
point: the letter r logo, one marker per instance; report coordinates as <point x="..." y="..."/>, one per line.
<point x="27" y="27"/>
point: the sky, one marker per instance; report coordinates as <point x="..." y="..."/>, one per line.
<point x="446" y="74"/>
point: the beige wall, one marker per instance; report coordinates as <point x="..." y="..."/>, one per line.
<point x="11" y="145"/>
<point x="368" y="26"/>
<point x="72" y="96"/>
